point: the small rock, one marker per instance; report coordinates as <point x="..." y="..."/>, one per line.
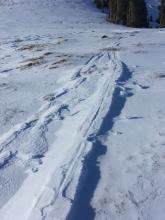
<point x="104" y="36"/>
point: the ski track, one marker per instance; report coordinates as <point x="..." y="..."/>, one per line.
<point x="87" y="128"/>
<point x="90" y="175"/>
<point x="59" y="107"/>
<point x="52" y="109"/>
<point x="94" y="130"/>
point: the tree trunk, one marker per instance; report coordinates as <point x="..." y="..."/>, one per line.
<point x="162" y="14"/>
<point x="137" y="14"/>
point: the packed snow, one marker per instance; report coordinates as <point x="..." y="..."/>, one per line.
<point x="82" y="114"/>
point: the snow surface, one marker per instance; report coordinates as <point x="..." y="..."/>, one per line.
<point x="82" y="114"/>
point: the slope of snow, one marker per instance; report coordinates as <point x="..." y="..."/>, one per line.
<point x="81" y="114"/>
<point x="132" y="170"/>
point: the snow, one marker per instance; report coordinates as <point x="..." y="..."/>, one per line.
<point x="81" y="116"/>
<point x="133" y="168"/>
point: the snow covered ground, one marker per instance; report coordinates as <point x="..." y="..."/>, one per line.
<point x="81" y="114"/>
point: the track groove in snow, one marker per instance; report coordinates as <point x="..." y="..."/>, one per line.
<point x="67" y="100"/>
<point x="93" y="122"/>
<point x="81" y="208"/>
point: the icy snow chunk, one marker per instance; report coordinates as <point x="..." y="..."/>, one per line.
<point x="5" y="157"/>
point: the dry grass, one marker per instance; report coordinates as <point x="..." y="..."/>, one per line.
<point x="38" y="47"/>
<point x="57" y="63"/>
<point x="111" y="49"/>
<point x="32" y="62"/>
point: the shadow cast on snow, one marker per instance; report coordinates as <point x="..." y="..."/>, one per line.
<point x="90" y="176"/>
